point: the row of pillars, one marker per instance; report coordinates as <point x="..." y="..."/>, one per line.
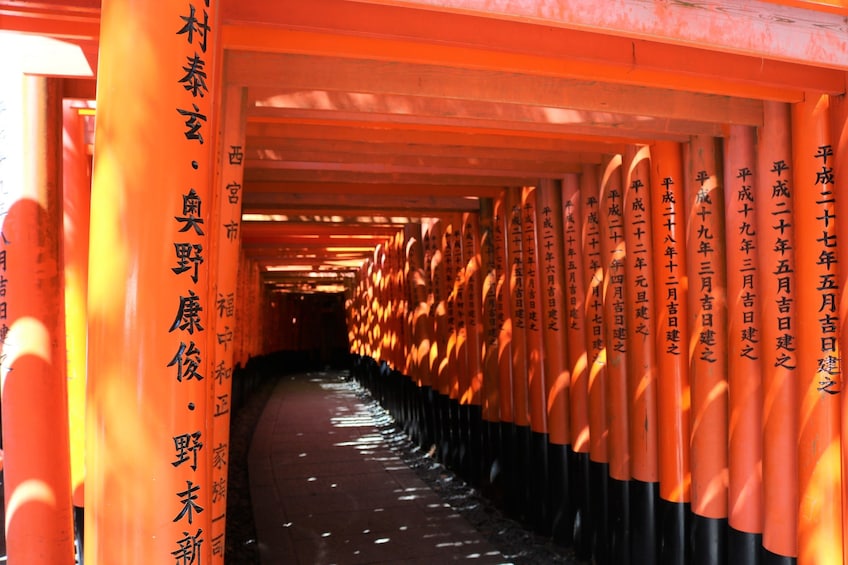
<point x="116" y="400"/>
<point x="642" y="360"/>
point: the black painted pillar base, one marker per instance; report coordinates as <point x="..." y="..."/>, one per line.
<point x="599" y="511"/>
<point x="674" y="526"/>
<point x="619" y="521"/>
<point x="461" y="442"/>
<point x="492" y="470"/>
<point x="583" y="534"/>
<point x="562" y="511"/>
<point x="79" y="532"/>
<point x="769" y="558"/>
<point x="436" y="410"/>
<point x="407" y="416"/>
<point x="539" y="484"/>
<point x="463" y="458"/>
<point x="521" y="477"/>
<point x="382" y="383"/>
<point x="445" y="426"/>
<point x="644" y="539"/>
<point x="425" y="409"/>
<point x="509" y="473"/>
<point x="709" y="540"/>
<point x="455" y="435"/>
<point x="743" y="547"/>
<point x="413" y="409"/>
<point x="475" y="444"/>
<point x="396" y="392"/>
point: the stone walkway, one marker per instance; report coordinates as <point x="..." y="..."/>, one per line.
<point x="326" y="488"/>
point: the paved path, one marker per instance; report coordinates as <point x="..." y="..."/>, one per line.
<point x="327" y="488"/>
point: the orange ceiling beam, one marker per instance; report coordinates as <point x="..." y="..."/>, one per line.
<point x="292" y="149"/>
<point x="75" y="20"/>
<point x="309" y="217"/>
<point x="263" y="134"/>
<point x="786" y="33"/>
<point x="281" y="75"/>
<point x="467" y="42"/>
<point x="424" y="128"/>
<point x="394" y="178"/>
<point x="489" y="116"/>
<point x="388" y="170"/>
<point x="253" y="229"/>
<point x="831" y="6"/>
<point x="293" y="160"/>
<point x="375" y="189"/>
<point x="320" y="241"/>
<point x="341" y="202"/>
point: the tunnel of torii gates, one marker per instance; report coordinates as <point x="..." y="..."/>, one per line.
<point x="592" y="254"/>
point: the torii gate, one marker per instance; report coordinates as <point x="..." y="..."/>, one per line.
<point x="165" y="223"/>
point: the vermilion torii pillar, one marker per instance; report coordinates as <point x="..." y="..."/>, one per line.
<point x="776" y="255"/>
<point x="819" y="381"/>
<point x="76" y="184"/>
<point x="228" y="214"/>
<point x="32" y="355"/>
<point x="148" y="492"/>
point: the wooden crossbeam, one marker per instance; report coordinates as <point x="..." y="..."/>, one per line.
<point x="272" y="76"/>
<point x="421" y="205"/>
<point x="373" y="189"/>
<point x="466" y="40"/>
<point x="468" y="114"/>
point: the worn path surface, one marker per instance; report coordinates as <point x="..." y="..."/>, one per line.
<point x="327" y="486"/>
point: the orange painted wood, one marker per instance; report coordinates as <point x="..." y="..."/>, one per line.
<point x="517" y="308"/>
<point x="149" y="505"/>
<point x="533" y="322"/>
<point x="451" y="269"/>
<point x="819" y="375"/>
<point x="79" y="88"/>
<point x="787" y="35"/>
<point x="76" y="183"/>
<point x="839" y="129"/>
<point x="832" y="6"/>
<point x="578" y="388"/>
<point x="465" y="40"/>
<point x="439" y="362"/>
<point x="227" y="212"/>
<point x="256" y="308"/>
<point x="401" y="306"/>
<point x="457" y="309"/>
<point x="490" y="392"/>
<point x="292" y="204"/>
<point x="473" y="306"/>
<point x="405" y="111"/>
<point x="36" y="460"/>
<point x="277" y="76"/>
<point x="330" y="157"/>
<point x="379" y="331"/>
<point x="448" y="178"/>
<point x="744" y="356"/>
<point x="640" y="292"/>
<point x="388" y="349"/>
<point x="260" y="229"/>
<point x="303" y="144"/>
<point x="503" y="304"/>
<point x="72" y="21"/>
<point x="707" y="300"/>
<point x="593" y="279"/>
<point x="613" y="256"/>
<point x="554" y="310"/>
<point x="273" y="134"/>
<point x="673" y="394"/>
<point x="418" y="307"/>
